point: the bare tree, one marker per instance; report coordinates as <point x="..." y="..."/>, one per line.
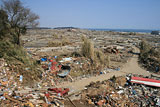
<point x="3" y="24"/>
<point x="20" y="17"/>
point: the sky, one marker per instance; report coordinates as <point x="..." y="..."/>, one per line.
<point x="113" y="14"/>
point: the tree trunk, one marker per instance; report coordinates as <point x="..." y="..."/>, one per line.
<point x="18" y="36"/>
<point x="18" y="41"/>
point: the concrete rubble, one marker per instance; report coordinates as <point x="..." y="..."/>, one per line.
<point x="115" y="92"/>
<point x="13" y="92"/>
<point x="118" y="92"/>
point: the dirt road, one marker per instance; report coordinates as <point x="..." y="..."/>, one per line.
<point x="133" y="67"/>
<point x="130" y="67"/>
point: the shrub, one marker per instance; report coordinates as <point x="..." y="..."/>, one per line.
<point x="65" y="42"/>
<point x="55" y="36"/>
<point x="75" y="54"/>
<point x="107" y="59"/>
<point x="144" y="46"/>
<point x="13" y="53"/>
<point x="16" y="55"/>
<point x="97" y="57"/>
<point x="54" y="43"/>
<point x="57" y="43"/>
<point x="87" y="48"/>
<point x="100" y="56"/>
<point x="149" y="56"/>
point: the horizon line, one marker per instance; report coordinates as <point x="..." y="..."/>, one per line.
<point x="97" y="28"/>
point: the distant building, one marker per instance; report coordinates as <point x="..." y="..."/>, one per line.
<point x="155" y="32"/>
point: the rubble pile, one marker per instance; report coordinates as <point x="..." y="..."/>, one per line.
<point x="120" y="92"/>
<point x="68" y="69"/>
<point x="58" y="70"/>
<point x="14" y="93"/>
<point x="117" y="91"/>
<point x="9" y="80"/>
<point x="35" y="98"/>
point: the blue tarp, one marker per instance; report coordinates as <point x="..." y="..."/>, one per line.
<point x="43" y="59"/>
<point x="101" y="72"/>
<point x="55" y="57"/>
<point x="117" y="69"/>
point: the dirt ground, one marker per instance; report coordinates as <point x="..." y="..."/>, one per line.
<point x="130" y="67"/>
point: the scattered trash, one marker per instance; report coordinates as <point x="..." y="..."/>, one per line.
<point x="43" y="59"/>
<point x="115" y="92"/>
<point x="21" y="78"/>
<point x="66" y="59"/>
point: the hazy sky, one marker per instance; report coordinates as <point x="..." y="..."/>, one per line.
<point x="129" y="14"/>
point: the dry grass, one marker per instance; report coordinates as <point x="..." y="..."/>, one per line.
<point x="107" y="59"/>
<point x="100" y="56"/>
<point x="20" y="61"/>
<point x="87" y="48"/>
<point x="65" y="42"/>
<point x="149" y="56"/>
<point x="55" y="36"/>
<point x="54" y="43"/>
<point x="97" y="56"/>
<point x="58" y="43"/>
<point x="101" y="60"/>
